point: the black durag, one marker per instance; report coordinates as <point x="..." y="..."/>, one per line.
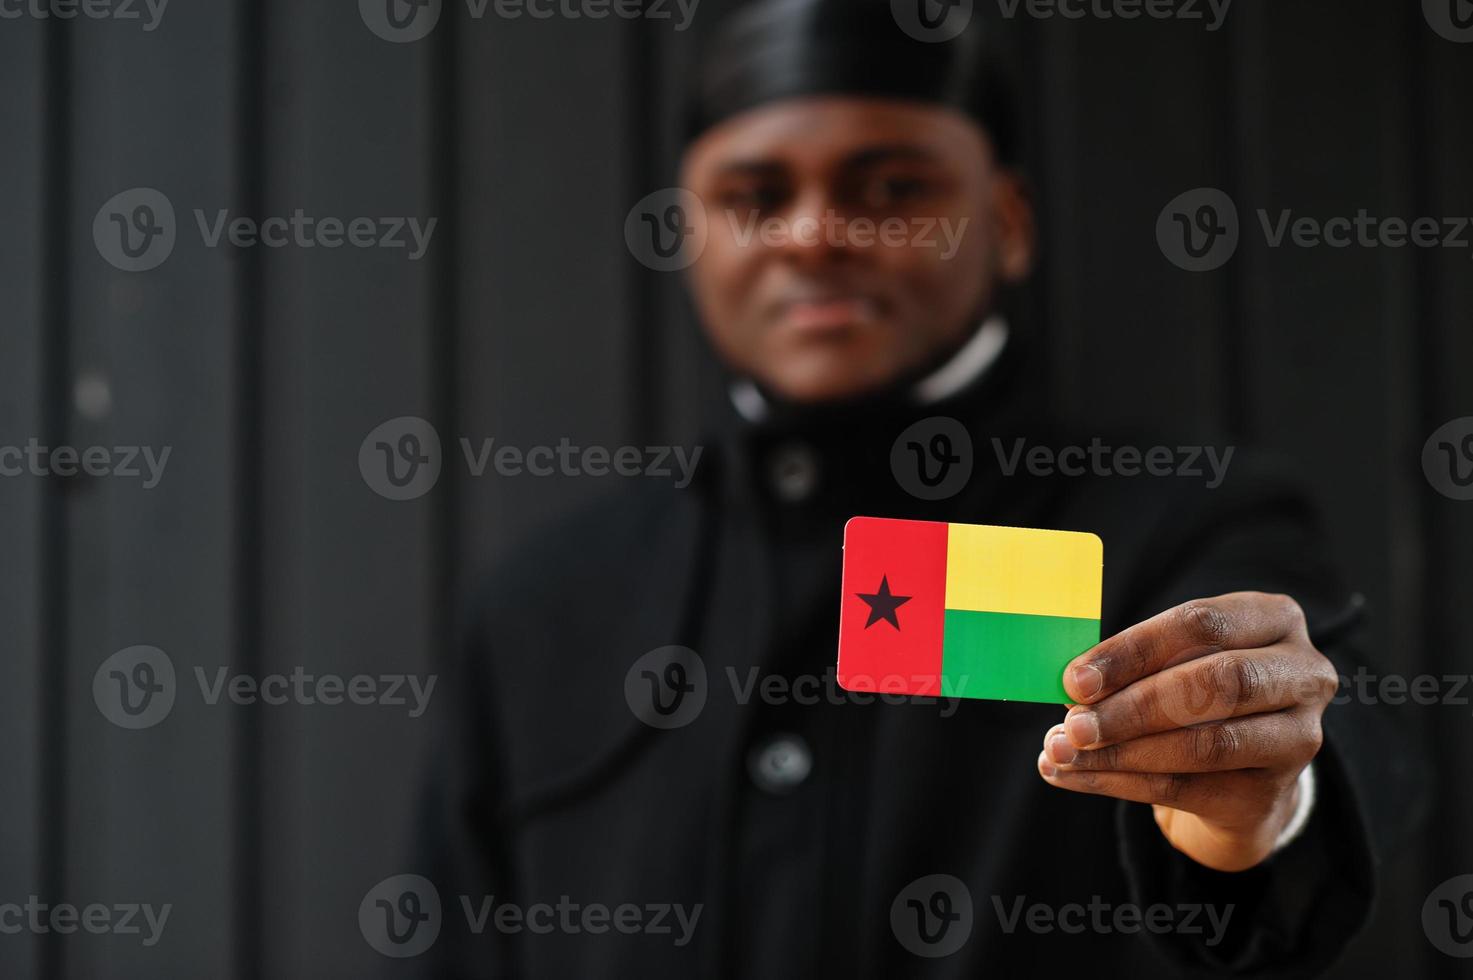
<point x="767" y="50"/>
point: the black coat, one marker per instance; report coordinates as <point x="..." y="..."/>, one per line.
<point x="548" y="788"/>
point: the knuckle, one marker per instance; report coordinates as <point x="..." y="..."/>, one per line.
<point x="1142" y="710"/>
<point x="1205" y="622"/>
<point x="1290" y="612"/>
<point x="1312" y="738"/>
<point x="1315" y="683"/>
<point x="1171" y="788"/>
<point x="1242" y="679"/>
<point x="1326" y="678"/>
<point x="1131" y="657"/>
<point x="1214" y="746"/>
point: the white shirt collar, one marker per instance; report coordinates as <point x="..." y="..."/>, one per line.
<point x="964" y="367"/>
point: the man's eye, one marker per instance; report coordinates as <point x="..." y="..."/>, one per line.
<point x="892" y="191"/>
<point x="750" y="198"/>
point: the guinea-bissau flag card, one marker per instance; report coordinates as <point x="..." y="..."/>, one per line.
<point x="966" y="610"/>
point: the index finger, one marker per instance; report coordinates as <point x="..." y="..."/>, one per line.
<point x="1240" y="620"/>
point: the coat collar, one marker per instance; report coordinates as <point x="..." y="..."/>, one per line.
<point x="960" y="371"/>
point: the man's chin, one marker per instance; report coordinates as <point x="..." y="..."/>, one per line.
<point x="826" y="384"/>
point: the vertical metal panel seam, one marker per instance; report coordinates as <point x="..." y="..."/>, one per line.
<point x="642" y="320"/>
<point x="249" y="282"/>
<point x="54" y="568"/>
<point x="444" y="171"/>
<point x="1060" y="314"/>
<point x="1234" y="373"/>
<point x="1424" y="365"/>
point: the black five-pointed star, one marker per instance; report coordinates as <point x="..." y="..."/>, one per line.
<point x="882" y="604"/>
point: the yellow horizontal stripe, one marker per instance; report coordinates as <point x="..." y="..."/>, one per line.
<point x="1021" y="570"/>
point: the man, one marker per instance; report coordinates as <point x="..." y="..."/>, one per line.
<point x="1188" y="812"/>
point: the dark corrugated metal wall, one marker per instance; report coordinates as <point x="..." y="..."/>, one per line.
<point x="526" y="320"/>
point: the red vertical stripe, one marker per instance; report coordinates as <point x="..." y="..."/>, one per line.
<point x="909" y="556"/>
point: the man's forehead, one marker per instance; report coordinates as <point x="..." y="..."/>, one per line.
<point x="836" y="129"/>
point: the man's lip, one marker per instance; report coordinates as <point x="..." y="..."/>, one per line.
<point x="826" y="313"/>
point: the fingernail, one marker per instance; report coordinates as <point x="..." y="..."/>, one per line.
<point x="1045" y="766"/>
<point x="1083" y="728"/>
<point x="1062" y="750"/>
<point x="1087" y="679"/>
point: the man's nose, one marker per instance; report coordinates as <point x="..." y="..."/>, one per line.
<point x="815" y="231"/>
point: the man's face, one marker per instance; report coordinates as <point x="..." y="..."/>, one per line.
<point x="852" y="242"/>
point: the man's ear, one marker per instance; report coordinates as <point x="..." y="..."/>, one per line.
<point x="1017" y="231"/>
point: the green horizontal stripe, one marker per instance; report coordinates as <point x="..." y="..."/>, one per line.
<point x="1011" y="656"/>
